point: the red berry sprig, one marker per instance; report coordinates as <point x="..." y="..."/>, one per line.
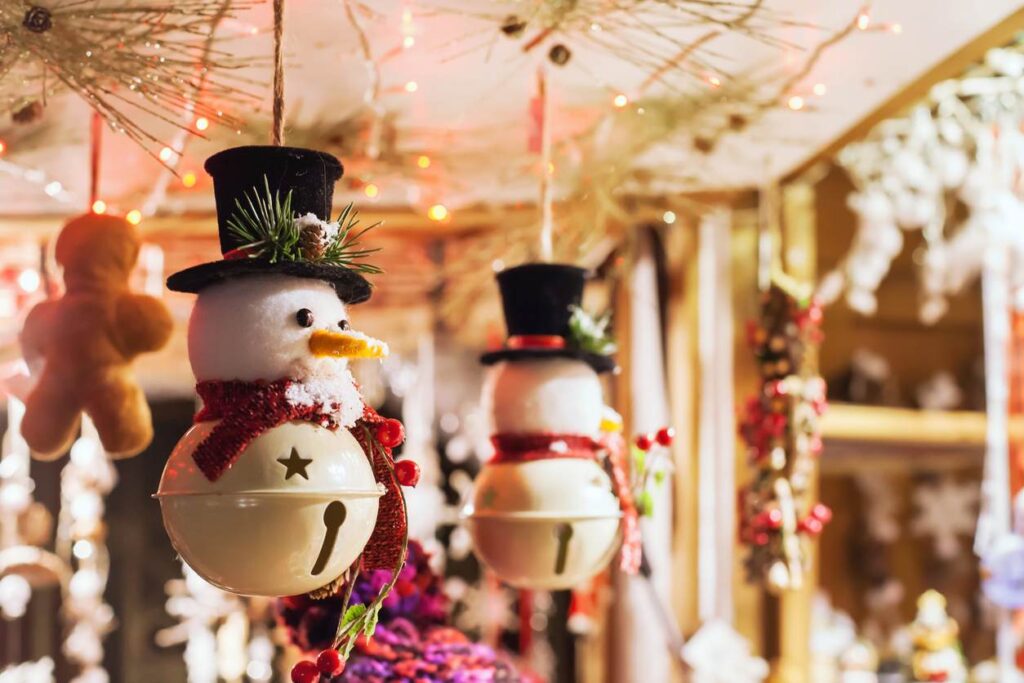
<point x="407" y="472"/>
<point x="330" y="663"/>
<point x="390" y="433"/>
<point x="305" y="672"/>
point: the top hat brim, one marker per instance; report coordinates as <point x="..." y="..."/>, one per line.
<point x="599" y="363"/>
<point x="351" y="287"/>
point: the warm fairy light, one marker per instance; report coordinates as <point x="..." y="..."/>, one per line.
<point x="406" y="16"/>
<point x="166" y="153"/>
<point x="411" y="86"/>
<point x="796" y="103"/>
<point x="863" y="21"/>
<point x="714" y="81"/>
<point x="29" y="280"/>
<point x="620" y="101"/>
<point x="133" y="216"/>
<point x="896" y="28"/>
<point x="3" y="146"/>
<point x="371" y="190"/>
<point x="669" y="217"/>
<point x="423" y="161"/>
<point x="99" y="206"/>
<point x="202" y="123"/>
<point x="551" y="168"/>
<point x="408" y="42"/>
<point x="53" y="188"/>
<point x="189" y="179"/>
<point x="438" y="212"/>
<point x="819" y="89"/>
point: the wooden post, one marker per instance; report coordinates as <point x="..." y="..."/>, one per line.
<point x="794" y="628"/>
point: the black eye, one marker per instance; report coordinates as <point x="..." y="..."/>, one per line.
<point x="343" y="324"/>
<point x="304" y="317"/>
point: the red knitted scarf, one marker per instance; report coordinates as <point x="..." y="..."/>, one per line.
<point x="248" y="409"/>
<point x="517" y="448"/>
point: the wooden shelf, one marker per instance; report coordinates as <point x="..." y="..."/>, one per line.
<point x="863" y="438"/>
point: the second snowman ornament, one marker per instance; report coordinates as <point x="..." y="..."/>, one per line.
<point x="286" y="480"/>
<point x="550" y="508"/>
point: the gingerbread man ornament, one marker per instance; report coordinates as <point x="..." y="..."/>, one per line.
<point x="86" y="341"/>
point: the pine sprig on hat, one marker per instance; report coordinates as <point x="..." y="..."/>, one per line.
<point x="589" y="333"/>
<point x="269" y="230"/>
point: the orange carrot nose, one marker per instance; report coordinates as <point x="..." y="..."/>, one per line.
<point x="349" y="344"/>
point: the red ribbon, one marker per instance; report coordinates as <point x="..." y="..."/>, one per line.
<point x="248" y="409"/>
<point x="535" y="341"/>
<point x="517" y="448"/>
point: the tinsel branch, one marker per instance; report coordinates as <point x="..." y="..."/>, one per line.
<point x="123" y="59"/>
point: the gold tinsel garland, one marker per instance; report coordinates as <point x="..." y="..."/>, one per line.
<point x="124" y="58"/>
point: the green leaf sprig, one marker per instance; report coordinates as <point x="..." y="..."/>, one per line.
<point x="590" y="333"/>
<point x="267" y="228"/>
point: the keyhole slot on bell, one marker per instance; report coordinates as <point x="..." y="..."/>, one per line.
<point x="334" y="517"/>
<point x="563" y="534"/>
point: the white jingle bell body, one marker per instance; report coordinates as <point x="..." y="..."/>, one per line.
<point x="546" y="524"/>
<point x="289" y="516"/>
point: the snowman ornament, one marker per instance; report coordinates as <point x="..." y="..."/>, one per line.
<point x="549" y="510"/>
<point x="286" y="479"/>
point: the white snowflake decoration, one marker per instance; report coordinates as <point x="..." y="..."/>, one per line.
<point x="718" y="654"/>
<point x="946" y="511"/>
<point x="964" y="144"/>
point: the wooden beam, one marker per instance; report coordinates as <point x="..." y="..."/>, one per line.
<point x="952" y="66"/>
<point x="800" y="258"/>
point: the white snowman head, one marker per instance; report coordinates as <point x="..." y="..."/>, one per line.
<point x="547" y="396"/>
<point x="273" y="326"/>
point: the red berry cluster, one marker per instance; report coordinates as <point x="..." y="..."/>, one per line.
<point x="815" y="522"/>
<point x="663" y="437"/>
<point x="391" y="434"/>
<point x="328" y="663"/>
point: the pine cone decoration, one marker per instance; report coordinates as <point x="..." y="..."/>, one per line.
<point x="312" y="242"/>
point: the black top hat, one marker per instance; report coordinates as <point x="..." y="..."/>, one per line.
<point x="539" y="300"/>
<point x="239" y="172"/>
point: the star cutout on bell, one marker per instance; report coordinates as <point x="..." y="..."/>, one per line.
<point x="295" y="464"/>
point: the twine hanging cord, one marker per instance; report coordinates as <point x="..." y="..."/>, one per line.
<point x="278" y="128"/>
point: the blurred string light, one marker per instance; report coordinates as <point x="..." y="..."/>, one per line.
<point x="84" y="483"/>
<point x="15" y="497"/>
<point x="99" y="207"/>
<point x="50" y="187"/>
<point x="214" y="625"/>
<point x="29" y="280"/>
<point x="437" y="212"/>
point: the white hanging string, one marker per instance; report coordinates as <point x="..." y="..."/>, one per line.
<point x="995" y="520"/>
<point x="547" y="169"/>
